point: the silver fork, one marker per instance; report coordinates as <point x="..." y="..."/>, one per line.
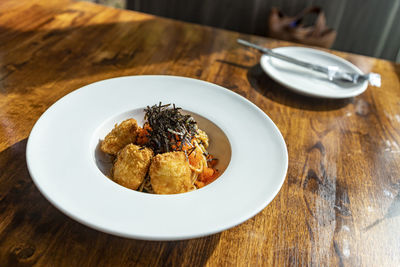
<point x="332" y="72"/>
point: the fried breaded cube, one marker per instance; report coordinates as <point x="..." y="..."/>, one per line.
<point x="170" y="173"/>
<point x="122" y="134"/>
<point x="131" y="166"/>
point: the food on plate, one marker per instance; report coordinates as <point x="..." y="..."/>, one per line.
<point x="122" y="134"/>
<point x="181" y="162"/>
<point x="131" y="165"/>
<point x="170" y="173"/>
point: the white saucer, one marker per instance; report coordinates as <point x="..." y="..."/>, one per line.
<point x="308" y="82"/>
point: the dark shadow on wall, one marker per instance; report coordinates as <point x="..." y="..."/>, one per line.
<point x="33" y="231"/>
<point x="249" y="17"/>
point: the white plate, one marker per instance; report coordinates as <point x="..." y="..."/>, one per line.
<point x="62" y="160"/>
<point x="307" y="82"/>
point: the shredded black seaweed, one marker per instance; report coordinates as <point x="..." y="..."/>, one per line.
<point x="170" y="130"/>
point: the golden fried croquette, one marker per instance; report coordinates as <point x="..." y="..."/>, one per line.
<point x="122" y="134"/>
<point x="170" y="173"/>
<point x="131" y="166"/>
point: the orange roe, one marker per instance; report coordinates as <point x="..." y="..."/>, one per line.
<point x="143" y="135"/>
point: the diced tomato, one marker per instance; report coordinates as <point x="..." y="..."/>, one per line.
<point x="208" y="176"/>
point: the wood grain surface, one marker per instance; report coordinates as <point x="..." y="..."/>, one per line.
<point x="339" y="205"/>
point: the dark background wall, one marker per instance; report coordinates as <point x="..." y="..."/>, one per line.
<point x="368" y="27"/>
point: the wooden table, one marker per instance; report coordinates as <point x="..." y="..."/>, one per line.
<point x="339" y="205"/>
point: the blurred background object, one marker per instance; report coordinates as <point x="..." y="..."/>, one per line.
<point x="300" y="28"/>
<point x="366" y="27"/>
<point x="111" y="3"/>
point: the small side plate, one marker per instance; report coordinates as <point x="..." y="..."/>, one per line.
<point x="308" y="82"/>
